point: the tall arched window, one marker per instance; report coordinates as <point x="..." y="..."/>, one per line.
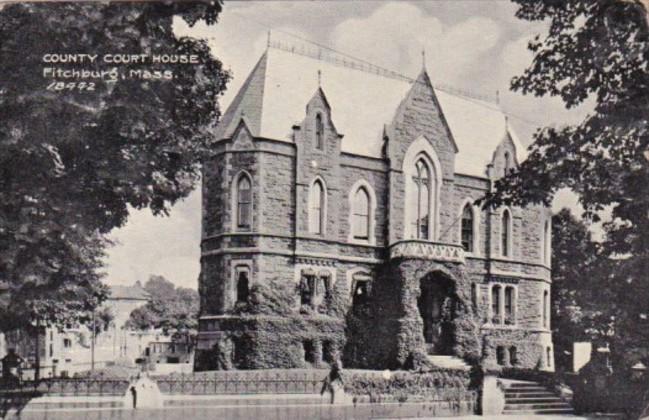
<point x="547" y="241"/>
<point x="546" y="309"/>
<point x="467" y="228"/>
<point x="319" y="132"/>
<point x="316" y="208"/>
<point x="420" y="201"/>
<point x="508" y="163"/>
<point x="506" y="234"/>
<point x="361" y="214"/>
<point x="244" y="202"/>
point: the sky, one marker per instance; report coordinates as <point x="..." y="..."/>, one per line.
<point x="475" y="46"/>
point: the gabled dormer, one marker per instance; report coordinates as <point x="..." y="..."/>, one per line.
<point x="318" y="127"/>
<point x="505" y="156"/>
<point x="420" y="115"/>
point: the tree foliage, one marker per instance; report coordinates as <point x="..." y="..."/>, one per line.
<point x="595" y="49"/>
<point x="73" y="162"/>
<point x="171" y="308"/>
<point x="578" y="272"/>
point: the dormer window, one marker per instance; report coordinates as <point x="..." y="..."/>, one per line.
<point x="319" y="132"/>
<point x="508" y="164"/>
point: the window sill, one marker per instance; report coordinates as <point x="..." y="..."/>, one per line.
<point x="359" y="241"/>
<point x="501" y="326"/>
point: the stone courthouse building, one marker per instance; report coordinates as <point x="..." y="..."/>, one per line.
<point x="339" y="221"/>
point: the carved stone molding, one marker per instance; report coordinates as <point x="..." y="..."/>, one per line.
<point x="425" y="250"/>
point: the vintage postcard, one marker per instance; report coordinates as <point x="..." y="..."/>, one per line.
<point x="323" y="210"/>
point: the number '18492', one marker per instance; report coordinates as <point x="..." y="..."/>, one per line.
<point x="80" y="86"/>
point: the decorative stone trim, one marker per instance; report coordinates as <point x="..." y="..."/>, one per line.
<point x="315" y="261"/>
<point x="501" y="279"/>
<point x="427" y="250"/>
<point x="288" y="253"/>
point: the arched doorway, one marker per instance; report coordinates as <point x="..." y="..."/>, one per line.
<point x="437" y="306"/>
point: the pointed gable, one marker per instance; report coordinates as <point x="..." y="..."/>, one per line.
<point x="274" y="96"/>
<point x="420" y="115"/>
<point x="242" y="138"/>
<point x="319" y="101"/>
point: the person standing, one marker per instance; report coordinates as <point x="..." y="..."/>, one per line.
<point x="334" y="381"/>
<point x="133" y="396"/>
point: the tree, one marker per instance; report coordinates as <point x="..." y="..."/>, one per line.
<point x="172" y="309"/>
<point x="597" y="49"/>
<point x="578" y="275"/>
<point x="72" y="162"/>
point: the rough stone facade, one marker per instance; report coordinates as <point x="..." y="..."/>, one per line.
<point x="382" y="301"/>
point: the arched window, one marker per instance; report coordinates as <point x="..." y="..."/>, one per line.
<point x="547" y="242"/>
<point x="505" y="234"/>
<point x="420" y="200"/>
<point x="319" y="132"/>
<point x="361" y="214"/>
<point x="360" y="286"/>
<point x="244" y="202"/>
<point x="549" y="357"/>
<point x="316" y="208"/>
<point x="546" y="309"/>
<point x="242" y="284"/>
<point x="467" y="228"/>
<point x="360" y="293"/>
<point x="508" y="163"/>
<point x="495" y="304"/>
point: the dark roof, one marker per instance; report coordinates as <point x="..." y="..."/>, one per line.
<point x="135" y="292"/>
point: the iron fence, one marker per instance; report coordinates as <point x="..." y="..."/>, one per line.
<point x="295" y="381"/>
<point x="67" y="387"/>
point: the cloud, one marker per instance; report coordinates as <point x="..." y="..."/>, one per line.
<point x="515" y="57"/>
<point x="395" y="34"/>
<point x="541" y="111"/>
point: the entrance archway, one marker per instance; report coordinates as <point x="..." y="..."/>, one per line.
<point x="437" y="306"/>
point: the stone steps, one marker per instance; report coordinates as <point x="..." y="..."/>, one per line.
<point x="535" y="394"/>
<point x="448" y="362"/>
<point x="533" y="398"/>
<point x="546" y="411"/>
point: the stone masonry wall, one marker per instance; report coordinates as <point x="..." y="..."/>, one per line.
<point x="387" y="331"/>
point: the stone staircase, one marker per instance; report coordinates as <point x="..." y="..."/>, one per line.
<point x="448" y="362"/>
<point x="526" y="397"/>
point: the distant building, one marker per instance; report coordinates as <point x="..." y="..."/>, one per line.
<point x="66" y="351"/>
<point x="166" y="355"/>
<point x="126" y="344"/>
<point x="347" y="195"/>
<point x="123" y="300"/>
